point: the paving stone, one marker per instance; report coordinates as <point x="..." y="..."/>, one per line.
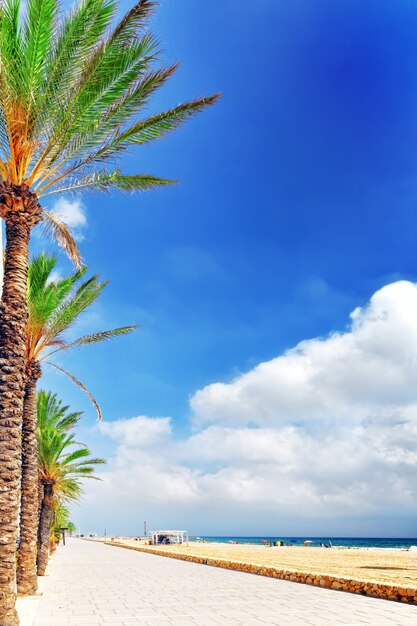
<point x="92" y="584"/>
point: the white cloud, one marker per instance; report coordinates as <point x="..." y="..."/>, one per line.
<point x="326" y="431"/>
<point x="373" y="365"/>
<point x="138" y="432"/>
<point x="72" y="213"/>
<point x="142" y="464"/>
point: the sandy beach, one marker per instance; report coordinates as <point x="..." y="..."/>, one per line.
<point x="394" y="567"/>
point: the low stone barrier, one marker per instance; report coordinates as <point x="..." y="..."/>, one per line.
<point x="363" y="587"/>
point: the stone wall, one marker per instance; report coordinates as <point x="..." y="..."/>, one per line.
<point x="363" y="587"/>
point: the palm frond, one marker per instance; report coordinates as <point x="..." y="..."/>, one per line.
<point x="75" y="455"/>
<point x="38" y="38"/>
<point x="81" y="386"/>
<point x="133" y="20"/>
<point x="111" y="72"/>
<point x="59" y="231"/>
<point x="104" y="335"/>
<point x="67" y="313"/>
<point x="45" y="294"/>
<point x="11" y="53"/>
<point x="157" y="126"/>
<point x="97" y="135"/>
<point x="102" y="181"/>
<point x="142" y="132"/>
<point x="52" y="412"/>
<point x="39" y="272"/>
<point x="76" y="39"/>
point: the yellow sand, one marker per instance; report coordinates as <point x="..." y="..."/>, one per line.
<point x="396" y="567"/>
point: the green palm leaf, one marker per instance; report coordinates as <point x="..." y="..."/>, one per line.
<point x="59" y="231"/>
<point x="62" y="461"/>
<point x="72" y="87"/>
<point x="52" y="411"/>
<point x="55" y="304"/>
<point x="102" y="181"/>
<point x="79" y="384"/>
<point x="86" y="340"/>
<point x="38" y="38"/>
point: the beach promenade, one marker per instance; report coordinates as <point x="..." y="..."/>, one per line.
<point x="90" y="584"/>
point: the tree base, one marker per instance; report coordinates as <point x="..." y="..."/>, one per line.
<point x="11" y="618"/>
<point x="28" y="587"/>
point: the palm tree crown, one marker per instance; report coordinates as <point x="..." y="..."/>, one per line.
<point x="53" y="413"/>
<point x="72" y="89"/>
<point x="54" y="306"/>
<point x="63" y="462"/>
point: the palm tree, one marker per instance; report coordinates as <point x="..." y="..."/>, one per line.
<point x="71" y="528"/>
<point x="73" y="88"/>
<point x="51" y="410"/>
<point x="54" y="306"/>
<point x="63" y="463"/>
<point x="60" y="521"/>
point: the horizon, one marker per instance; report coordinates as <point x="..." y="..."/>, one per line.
<point x="250" y="536"/>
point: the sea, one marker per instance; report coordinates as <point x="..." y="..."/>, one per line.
<point x="344" y="542"/>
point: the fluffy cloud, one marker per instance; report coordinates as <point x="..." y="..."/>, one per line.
<point x="142" y="466"/>
<point x="371" y="367"/>
<point x="72" y="213"/>
<point x="326" y="431"/>
<point x="138" y="432"/>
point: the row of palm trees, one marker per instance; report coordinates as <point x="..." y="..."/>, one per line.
<point x="54" y="305"/>
<point x="63" y="463"/>
<point x="73" y="87"/>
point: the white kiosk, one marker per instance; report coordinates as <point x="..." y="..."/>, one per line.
<point x="166" y="537"/>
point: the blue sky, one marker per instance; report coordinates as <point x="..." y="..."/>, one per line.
<point x="297" y="202"/>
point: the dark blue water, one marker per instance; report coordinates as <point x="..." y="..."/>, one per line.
<point x="352" y="542"/>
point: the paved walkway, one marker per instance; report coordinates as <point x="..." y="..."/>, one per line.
<point x="91" y="584"/>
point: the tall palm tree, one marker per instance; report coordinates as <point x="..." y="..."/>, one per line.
<point x="73" y="89"/>
<point x="63" y="463"/>
<point x="51" y="410"/>
<point x="54" y="306"/>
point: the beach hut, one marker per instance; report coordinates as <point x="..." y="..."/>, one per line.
<point x="164" y="537"/>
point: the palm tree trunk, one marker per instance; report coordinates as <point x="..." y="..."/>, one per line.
<point x="41" y="493"/>
<point x="19" y="212"/>
<point x="1" y="258"/>
<point x="45" y="523"/>
<point x="27" y="581"/>
<point x="13" y="319"/>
